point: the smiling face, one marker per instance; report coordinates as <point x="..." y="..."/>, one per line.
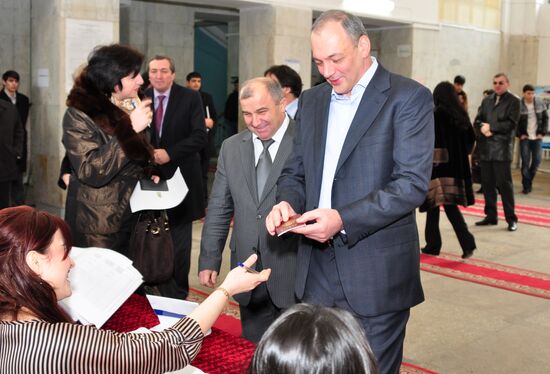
<point x="341" y="61"/>
<point x="54" y="266"/>
<point x="160" y="75"/>
<point x="262" y="115"/>
<point x="130" y="86"/>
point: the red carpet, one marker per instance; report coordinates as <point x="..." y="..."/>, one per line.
<point x="232" y="325"/>
<point x="526" y="214"/>
<point x="488" y="273"/>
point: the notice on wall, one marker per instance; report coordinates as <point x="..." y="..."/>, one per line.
<point x="43" y="78"/>
<point x="81" y="37"/>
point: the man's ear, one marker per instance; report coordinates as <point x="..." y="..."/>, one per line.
<point x="364" y="45"/>
<point x="34" y="261"/>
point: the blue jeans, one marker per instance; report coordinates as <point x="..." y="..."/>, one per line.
<point x="531" y="155"/>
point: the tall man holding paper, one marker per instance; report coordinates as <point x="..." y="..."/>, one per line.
<point x="360" y="166"/>
<point x="194" y="82"/>
<point x="178" y="136"/>
<point x="244" y="190"/>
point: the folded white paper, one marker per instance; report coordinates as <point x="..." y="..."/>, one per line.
<point x="158" y="200"/>
<point x="101" y="281"/>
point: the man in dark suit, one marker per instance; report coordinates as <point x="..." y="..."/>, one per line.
<point x="10" y="93"/>
<point x="235" y="195"/>
<point x="178" y="136"/>
<point x="360" y="166"/>
<point x="11" y="147"/>
<point x="194" y="82"/>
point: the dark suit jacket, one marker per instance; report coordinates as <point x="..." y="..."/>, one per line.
<point x="234" y="194"/>
<point x="183" y="137"/>
<point x="23" y="105"/>
<point x="381" y="177"/>
<point x="11" y="141"/>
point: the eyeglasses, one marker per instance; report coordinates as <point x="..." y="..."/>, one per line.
<point x="498" y="83"/>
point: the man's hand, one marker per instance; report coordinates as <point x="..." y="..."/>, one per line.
<point x="327" y="223"/>
<point x="208" y="278"/>
<point x="486" y="129"/>
<point x="523" y="137"/>
<point x="66" y="177"/>
<point x="161" y="156"/>
<point x="209" y="122"/>
<point x="539" y="136"/>
<point x="279" y="213"/>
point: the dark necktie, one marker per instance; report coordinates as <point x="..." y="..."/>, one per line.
<point x="264" y="166"/>
<point x="158" y="114"/>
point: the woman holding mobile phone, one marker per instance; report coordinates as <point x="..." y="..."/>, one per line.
<point x="104" y="134"/>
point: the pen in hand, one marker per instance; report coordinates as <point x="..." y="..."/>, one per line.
<point x="250" y="270"/>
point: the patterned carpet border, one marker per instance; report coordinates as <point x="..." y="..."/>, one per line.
<point x="488" y="273"/>
<point x="527" y="214"/>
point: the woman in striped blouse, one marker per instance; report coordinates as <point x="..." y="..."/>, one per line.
<point x="37" y="336"/>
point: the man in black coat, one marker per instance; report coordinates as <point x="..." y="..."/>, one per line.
<point x="497" y="120"/>
<point x="11" y="146"/>
<point x="178" y="137"/>
<point x="194" y="82"/>
<point x="10" y="80"/>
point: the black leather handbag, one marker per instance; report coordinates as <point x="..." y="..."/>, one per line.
<point x="151" y="247"/>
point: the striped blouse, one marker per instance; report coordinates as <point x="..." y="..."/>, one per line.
<point x="42" y="347"/>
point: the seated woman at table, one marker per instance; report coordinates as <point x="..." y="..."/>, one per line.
<point x="311" y="339"/>
<point x="37" y="336"/>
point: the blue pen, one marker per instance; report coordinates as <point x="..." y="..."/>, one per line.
<point x="160" y="312"/>
<point x="250" y="270"/>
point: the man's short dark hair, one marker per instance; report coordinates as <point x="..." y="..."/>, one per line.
<point x="161" y="57"/>
<point x="10" y="74"/>
<point x="528" y="87"/>
<point x="287" y="77"/>
<point x="459" y="79"/>
<point x="193" y="74"/>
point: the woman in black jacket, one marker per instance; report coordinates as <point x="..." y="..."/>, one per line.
<point x="451" y="183"/>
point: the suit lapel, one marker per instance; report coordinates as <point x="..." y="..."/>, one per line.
<point x="282" y="154"/>
<point x="170" y="109"/>
<point x="371" y="103"/>
<point x="320" y="126"/>
<point x="247" y="160"/>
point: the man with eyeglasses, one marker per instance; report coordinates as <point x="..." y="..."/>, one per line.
<point x="497" y="119"/>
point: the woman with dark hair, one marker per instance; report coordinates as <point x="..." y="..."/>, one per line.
<point x="451" y="182"/>
<point x="107" y="148"/>
<point x="314" y="339"/>
<point x="37" y="336"/>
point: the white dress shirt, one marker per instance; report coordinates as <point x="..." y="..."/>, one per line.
<point x="341" y="113"/>
<point x="277" y="137"/>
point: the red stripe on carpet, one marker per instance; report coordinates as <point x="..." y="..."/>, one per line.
<point x="519" y="206"/>
<point x="527" y="218"/>
<point x="489" y="274"/>
<point x="407" y="368"/>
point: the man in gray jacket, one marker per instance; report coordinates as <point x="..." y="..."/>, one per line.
<point x="497" y="119"/>
<point x="533" y="125"/>
<point x="244" y="190"/>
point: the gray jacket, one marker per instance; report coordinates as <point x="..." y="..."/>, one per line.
<point x="234" y="197"/>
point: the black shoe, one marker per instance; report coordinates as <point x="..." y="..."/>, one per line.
<point x="513" y="226"/>
<point x="430" y="251"/>
<point x="486" y="221"/>
<point x="468" y="253"/>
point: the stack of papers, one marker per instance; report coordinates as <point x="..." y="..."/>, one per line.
<point x="158" y="200"/>
<point x="101" y="280"/>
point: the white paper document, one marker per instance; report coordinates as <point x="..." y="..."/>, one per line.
<point x="101" y="281"/>
<point x="158" y="200"/>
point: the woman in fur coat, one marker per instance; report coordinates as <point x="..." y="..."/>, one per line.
<point x="107" y="148"/>
<point x="451" y="182"/>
